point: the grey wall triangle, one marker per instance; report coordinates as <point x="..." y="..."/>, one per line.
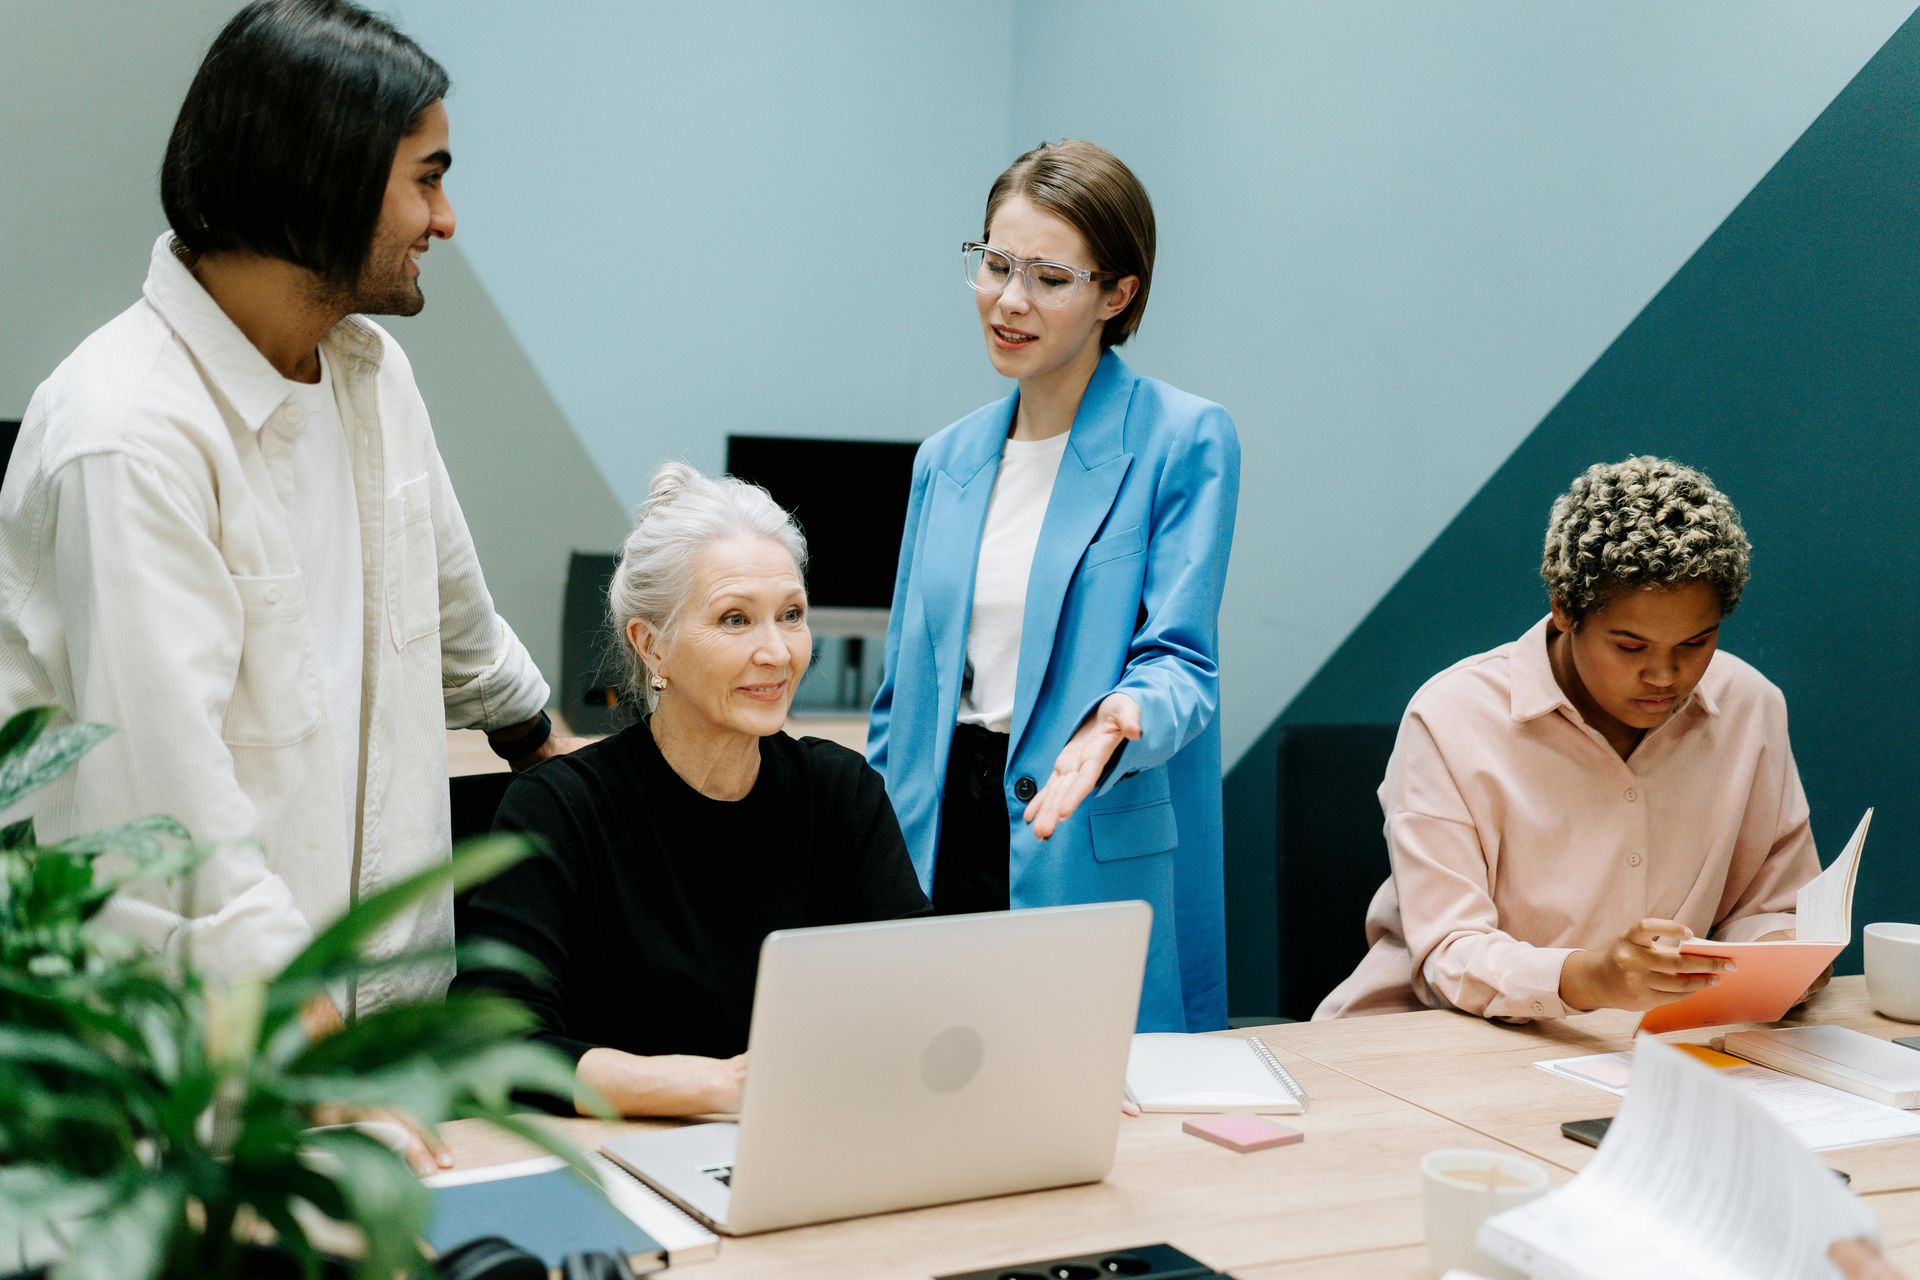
<point x="1784" y="360"/>
<point x="530" y="492"/>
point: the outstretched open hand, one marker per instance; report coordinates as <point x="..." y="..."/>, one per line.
<point x="1077" y="772"/>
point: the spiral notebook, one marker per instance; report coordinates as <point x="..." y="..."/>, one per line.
<point x="1168" y="1071"/>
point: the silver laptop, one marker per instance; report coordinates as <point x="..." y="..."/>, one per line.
<point x="917" y="1062"/>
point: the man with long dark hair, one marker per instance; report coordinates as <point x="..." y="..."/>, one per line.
<point x="227" y="531"/>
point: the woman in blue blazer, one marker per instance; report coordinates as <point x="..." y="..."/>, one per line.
<point x="1047" y="726"/>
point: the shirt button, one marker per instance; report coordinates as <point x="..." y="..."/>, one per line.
<point x="273" y="595"/>
<point x="1024" y="789"/>
<point x="1633" y="859"/>
<point x="293" y="413"/>
<point x="1538" y="1007"/>
<point x="1632" y="795"/>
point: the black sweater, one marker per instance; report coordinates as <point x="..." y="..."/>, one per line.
<point x="650" y="911"/>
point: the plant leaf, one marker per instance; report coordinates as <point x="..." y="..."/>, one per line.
<point x="473" y="862"/>
<point x="35" y="1195"/>
<point x="491" y="1077"/>
<point x="548" y="1140"/>
<point x="383" y="1198"/>
<point x="53" y="1049"/>
<point x="443" y="1031"/>
<point x="43" y="756"/>
<point x="150" y="830"/>
<point x="287" y="996"/>
<point x="130" y="1238"/>
<point x="23" y="727"/>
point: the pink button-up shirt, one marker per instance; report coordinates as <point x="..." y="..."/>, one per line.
<point x="1518" y="835"/>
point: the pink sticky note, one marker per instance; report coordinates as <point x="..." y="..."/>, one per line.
<point x="1242" y="1133"/>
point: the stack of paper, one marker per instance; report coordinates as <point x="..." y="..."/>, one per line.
<point x="1838" y="1057"/>
<point x="1693" y="1179"/>
<point x="1820" y="1117"/>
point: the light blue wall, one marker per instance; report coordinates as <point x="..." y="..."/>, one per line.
<point x="741" y="216"/>
<point x="88" y="92"/>
<point x="1393" y="234"/>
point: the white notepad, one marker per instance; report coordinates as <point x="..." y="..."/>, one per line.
<point x="1168" y="1071"/>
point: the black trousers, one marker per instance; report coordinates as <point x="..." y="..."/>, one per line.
<point x="970" y="872"/>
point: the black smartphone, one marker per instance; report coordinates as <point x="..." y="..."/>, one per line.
<point x="1586" y="1132"/>
<point x="1912" y="1042"/>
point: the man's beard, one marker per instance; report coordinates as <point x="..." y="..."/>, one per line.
<point x="381" y="293"/>
<point x="389" y="297"/>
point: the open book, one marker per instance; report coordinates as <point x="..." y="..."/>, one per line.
<point x="1772" y="975"/>
<point x="1693" y="1179"/>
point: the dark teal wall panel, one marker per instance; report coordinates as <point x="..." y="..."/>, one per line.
<point x="1784" y="360"/>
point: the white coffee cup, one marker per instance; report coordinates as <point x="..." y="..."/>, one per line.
<point x="1893" y="970"/>
<point x="1460" y="1188"/>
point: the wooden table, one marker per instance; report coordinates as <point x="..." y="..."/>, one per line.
<point x="1353" y="1182"/>
<point x="1481" y="1074"/>
<point x="1345" y="1203"/>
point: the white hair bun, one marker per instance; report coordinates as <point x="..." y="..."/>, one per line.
<point x="669" y="481"/>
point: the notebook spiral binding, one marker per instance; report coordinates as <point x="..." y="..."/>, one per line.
<point x="1280" y="1073"/>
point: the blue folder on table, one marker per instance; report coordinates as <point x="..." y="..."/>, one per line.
<point x="550" y="1215"/>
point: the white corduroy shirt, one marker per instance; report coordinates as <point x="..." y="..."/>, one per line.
<point x="148" y="581"/>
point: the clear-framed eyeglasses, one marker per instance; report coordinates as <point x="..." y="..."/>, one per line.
<point x="1049" y="284"/>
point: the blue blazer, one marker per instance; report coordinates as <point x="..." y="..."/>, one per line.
<point x="1124" y="595"/>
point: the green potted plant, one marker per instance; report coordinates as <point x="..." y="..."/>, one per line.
<point x="154" y="1123"/>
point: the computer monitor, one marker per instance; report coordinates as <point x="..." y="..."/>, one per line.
<point x="850" y="498"/>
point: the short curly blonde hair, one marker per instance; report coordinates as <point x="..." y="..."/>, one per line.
<point x="1644" y="522"/>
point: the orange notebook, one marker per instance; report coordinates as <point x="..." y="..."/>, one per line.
<point x="1772" y="975"/>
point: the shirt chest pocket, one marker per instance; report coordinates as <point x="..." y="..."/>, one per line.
<point x="1116" y="546"/>
<point x="412" y="564"/>
<point x="276" y="691"/>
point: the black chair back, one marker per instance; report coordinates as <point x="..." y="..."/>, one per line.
<point x="590" y="665"/>
<point x="1332" y="854"/>
<point x="475" y="798"/>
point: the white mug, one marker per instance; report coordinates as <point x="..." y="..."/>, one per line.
<point x="1893" y="970"/>
<point x="1460" y="1188"/>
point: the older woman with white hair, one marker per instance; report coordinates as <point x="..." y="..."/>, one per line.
<point x="680" y="842"/>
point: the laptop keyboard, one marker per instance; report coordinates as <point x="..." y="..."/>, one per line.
<point x="720" y="1173"/>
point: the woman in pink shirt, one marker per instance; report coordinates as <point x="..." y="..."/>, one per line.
<point x="1556" y="805"/>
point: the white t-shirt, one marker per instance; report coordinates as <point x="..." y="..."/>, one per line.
<point x="1014" y="515"/>
<point x="324" y="521"/>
